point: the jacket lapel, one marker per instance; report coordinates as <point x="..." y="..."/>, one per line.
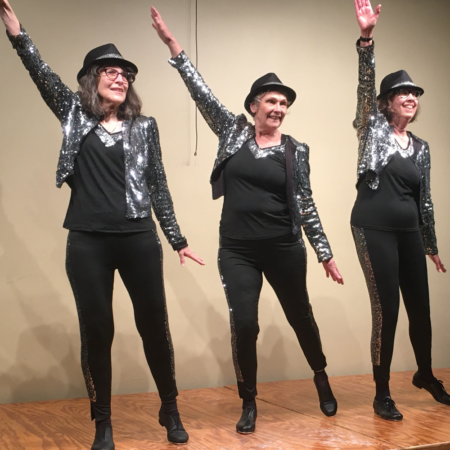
<point x="290" y="150"/>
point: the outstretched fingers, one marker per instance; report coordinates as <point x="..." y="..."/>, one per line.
<point x="188" y="253"/>
<point x="156" y="17"/>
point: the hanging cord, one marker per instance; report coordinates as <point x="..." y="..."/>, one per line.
<point x="196" y="62"/>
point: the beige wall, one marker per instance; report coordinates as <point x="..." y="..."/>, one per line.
<point x="310" y="45"/>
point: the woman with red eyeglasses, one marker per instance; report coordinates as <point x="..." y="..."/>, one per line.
<point x="111" y="159"/>
<point x="393" y="219"/>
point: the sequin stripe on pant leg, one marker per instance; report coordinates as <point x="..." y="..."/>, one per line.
<point x="311" y="315"/>
<point x="237" y="369"/>
<point x="377" y="316"/>
<point x="84" y="347"/>
<point x="166" y="315"/>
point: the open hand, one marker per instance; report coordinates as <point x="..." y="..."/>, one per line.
<point x="437" y="261"/>
<point x="331" y="269"/>
<point x="186" y="252"/>
<point x="367" y="19"/>
<point x="160" y="27"/>
<point x="163" y="32"/>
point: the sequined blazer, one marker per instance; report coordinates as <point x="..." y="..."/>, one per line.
<point x="377" y="145"/>
<point x="233" y="131"/>
<point x="145" y="179"/>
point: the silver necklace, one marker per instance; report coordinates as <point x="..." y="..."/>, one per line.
<point x="108" y="139"/>
<point x="103" y="124"/>
<point x="405" y="152"/>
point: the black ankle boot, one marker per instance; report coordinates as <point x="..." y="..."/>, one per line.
<point x="436" y="389"/>
<point x="386" y="409"/>
<point x="246" y="424"/>
<point x="328" y="404"/>
<point x="175" y="431"/>
<point x="103" y="437"/>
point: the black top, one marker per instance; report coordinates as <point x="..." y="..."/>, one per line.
<point x="98" y="199"/>
<point x="255" y="204"/>
<point x="394" y="205"/>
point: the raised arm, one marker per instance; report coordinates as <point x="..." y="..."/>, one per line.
<point x="216" y="115"/>
<point x="366" y="104"/>
<point x="55" y="93"/>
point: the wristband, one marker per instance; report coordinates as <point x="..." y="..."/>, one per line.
<point x="363" y="39"/>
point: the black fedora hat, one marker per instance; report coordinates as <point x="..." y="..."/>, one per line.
<point x="268" y="82"/>
<point x="107" y="54"/>
<point x="397" y="80"/>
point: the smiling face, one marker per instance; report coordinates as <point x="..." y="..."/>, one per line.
<point x="112" y="92"/>
<point x="269" y="113"/>
<point x="404" y="106"/>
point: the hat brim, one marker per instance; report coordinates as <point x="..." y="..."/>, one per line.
<point x="291" y="95"/>
<point x="106" y="61"/>
<point x="401" y="85"/>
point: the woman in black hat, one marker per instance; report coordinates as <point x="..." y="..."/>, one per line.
<point x="392" y="219"/>
<point x="264" y="177"/>
<point x="111" y="159"/>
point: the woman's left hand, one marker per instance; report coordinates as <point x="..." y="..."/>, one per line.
<point x="331" y="269"/>
<point x="163" y="32"/>
<point x="187" y="252"/>
<point x="439" y="266"/>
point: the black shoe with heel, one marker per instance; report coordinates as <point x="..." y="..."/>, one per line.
<point x="175" y="430"/>
<point x="103" y="438"/>
<point x="328" y="404"/>
<point x="386" y="409"/>
<point x="246" y="424"/>
<point x="436" y="389"/>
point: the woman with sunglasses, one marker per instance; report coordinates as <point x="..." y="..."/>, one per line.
<point x="111" y="159"/>
<point x="392" y="219"/>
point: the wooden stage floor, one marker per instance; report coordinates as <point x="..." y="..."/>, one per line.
<point x="289" y="418"/>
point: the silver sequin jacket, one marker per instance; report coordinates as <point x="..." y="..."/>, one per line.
<point x="376" y="145"/>
<point x="145" y="179"/>
<point x="233" y="131"/>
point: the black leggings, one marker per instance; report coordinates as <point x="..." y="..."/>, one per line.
<point x="392" y="260"/>
<point x="283" y="262"/>
<point x="92" y="259"/>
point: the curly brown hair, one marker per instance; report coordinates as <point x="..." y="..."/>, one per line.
<point x="384" y="106"/>
<point x="91" y="101"/>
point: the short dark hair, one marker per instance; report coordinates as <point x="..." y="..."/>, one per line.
<point x="385" y="108"/>
<point x="91" y="99"/>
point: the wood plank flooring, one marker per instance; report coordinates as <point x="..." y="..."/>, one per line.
<point x="288" y="418"/>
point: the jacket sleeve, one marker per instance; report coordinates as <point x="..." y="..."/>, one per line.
<point x="216" y="115"/>
<point x="159" y="192"/>
<point x="309" y="216"/>
<point x="428" y="229"/>
<point x="55" y="93"/>
<point x="366" y="94"/>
